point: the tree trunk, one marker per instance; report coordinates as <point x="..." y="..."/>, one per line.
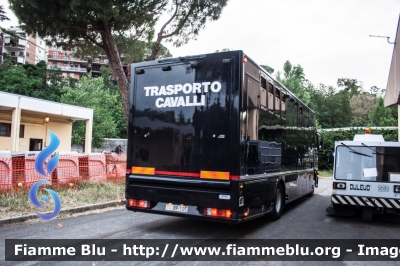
<point x="116" y="69"/>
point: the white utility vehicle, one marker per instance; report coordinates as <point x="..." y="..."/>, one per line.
<point x="366" y="177"/>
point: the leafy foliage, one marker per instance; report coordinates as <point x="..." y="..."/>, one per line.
<point x="33" y="80"/>
<point x="351" y="86"/>
<point x="130" y="48"/>
<point x="381" y="116"/>
<point x="268" y="68"/>
<point x="345" y="106"/>
<point x="92" y="93"/>
<point x="187" y="18"/>
<point x="294" y="79"/>
<point x="116" y="110"/>
<point x="69" y="22"/>
<point x="3" y="16"/>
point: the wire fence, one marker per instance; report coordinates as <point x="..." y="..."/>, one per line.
<point x="19" y="171"/>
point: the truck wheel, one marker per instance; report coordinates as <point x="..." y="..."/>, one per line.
<point x="278" y="203"/>
<point x="366" y="215"/>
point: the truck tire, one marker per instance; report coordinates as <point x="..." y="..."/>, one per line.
<point x="277" y="203"/>
<point x="366" y="215"/>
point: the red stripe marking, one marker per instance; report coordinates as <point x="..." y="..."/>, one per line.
<point x="177" y="173"/>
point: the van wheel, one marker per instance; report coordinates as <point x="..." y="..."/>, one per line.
<point x="311" y="193"/>
<point x="278" y="203"/>
<point x="366" y="215"/>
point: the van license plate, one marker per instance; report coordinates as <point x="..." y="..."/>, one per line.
<point x="176" y="208"/>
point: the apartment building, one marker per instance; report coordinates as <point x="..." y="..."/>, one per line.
<point x="31" y="49"/>
<point x="70" y="65"/>
<point x="28" y="49"/>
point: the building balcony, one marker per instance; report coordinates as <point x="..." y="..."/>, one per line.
<point x="51" y="57"/>
<point x="17" y="59"/>
<point x="69" y="69"/>
<point x="14" y="47"/>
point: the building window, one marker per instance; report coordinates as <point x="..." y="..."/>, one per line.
<point x="71" y="75"/>
<point x="21" y="131"/>
<point x="27" y="45"/>
<point x="55" y="55"/>
<point x="5" y="130"/>
<point x="64" y="75"/>
<point x="27" y="54"/>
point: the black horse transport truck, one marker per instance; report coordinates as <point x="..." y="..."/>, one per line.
<point x="215" y="137"/>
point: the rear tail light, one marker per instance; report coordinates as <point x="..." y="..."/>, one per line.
<point x="339" y="185"/>
<point x="214" y="212"/>
<point x="139" y="203"/>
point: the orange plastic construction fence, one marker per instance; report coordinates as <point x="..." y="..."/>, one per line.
<point x="18" y="171"/>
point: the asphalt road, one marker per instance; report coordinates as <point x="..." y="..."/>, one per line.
<point x="304" y="219"/>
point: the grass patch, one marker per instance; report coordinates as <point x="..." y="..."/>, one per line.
<point x="325" y="173"/>
<point x="16" y="202"/>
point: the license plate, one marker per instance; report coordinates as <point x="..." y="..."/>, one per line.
<point x="176" y="208"/>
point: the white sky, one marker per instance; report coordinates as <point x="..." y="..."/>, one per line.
<point x="328" y="38"/>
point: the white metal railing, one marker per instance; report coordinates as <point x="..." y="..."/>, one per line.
<point x="83" y="69"/>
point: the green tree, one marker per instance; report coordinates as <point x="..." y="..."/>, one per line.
<point x="294" y="79"/>
<point x="131" y="49"/>
<point x="332" y="108"/>
<point x="116" y="110"/>
<point x="377" y="91"/>
<point x="15" y="80"/>
<point x="92" y="93"/>
<point x="187" y="18"/>
<point x="352" y="86"/>
<point x="3" y="16"/>
<point x="361" y="105"/>
<point x="67" y="23"/>
<point x="268" y="68"/>
<point x="381" y="116"/>
<point x="33" y="80"/>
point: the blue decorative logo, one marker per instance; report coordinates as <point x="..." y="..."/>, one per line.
<point x="35" y="201"/>
<point x="51" y="165"/>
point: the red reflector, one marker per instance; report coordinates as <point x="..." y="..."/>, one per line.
<point x="214" y="212"/>
<point x="139" y="203"/>
<point x="128" y="171"/>
<point x="185" y="174"/>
